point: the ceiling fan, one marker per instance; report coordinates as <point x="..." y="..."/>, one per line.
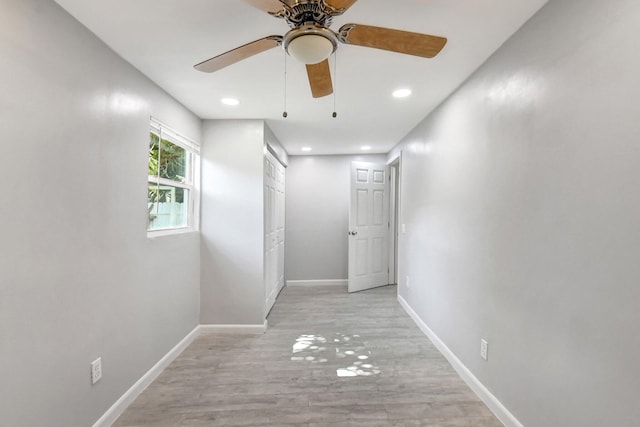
<point x="311" y="41"/>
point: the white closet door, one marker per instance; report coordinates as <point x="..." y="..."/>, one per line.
<point x="274" y="185"/>
<point x="280" y="203"/>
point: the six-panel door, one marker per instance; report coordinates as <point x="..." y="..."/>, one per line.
<point x="368" y="226"/>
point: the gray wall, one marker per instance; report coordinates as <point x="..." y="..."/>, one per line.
<point x="232" y="222"/>
<point x="78" y="276"/>
<point x="522" y="210"/>
<point x="317" y="216"/>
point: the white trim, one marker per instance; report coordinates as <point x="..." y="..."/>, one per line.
<point x="168" y="182"/>
<point x="170" y="231"/>
<point x="275" y="154"/>
<point x="492" y="402"/>
<point x="174" y="136"/>
<point x="234" y="329"/>
<point x="339" y="282"/>
<point x="394" y="177"/>
<point x="112" y="414"/>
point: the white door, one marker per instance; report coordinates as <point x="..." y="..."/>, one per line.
<point x="274" y="187"/>
<point x="368" y="226"/>
<point x="280" y="211"/>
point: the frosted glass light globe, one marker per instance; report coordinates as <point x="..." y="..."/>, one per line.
<point x="310" y="48"/>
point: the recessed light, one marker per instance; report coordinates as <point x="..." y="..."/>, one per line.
<point x="306" y="149"/>
<point x="230" y="101"/>
<point x="365" y="148"/>
<point x="401" y="93"/>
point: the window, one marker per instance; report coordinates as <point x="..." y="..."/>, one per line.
<point x="173" y="170"/>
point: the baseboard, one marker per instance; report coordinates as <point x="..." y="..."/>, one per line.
<point x="339" y="282"/>
<point x="135" y="390"/>
<point x="235" y="329"/>
<point x="494" y="405"/>
<point x="112" y="414"/>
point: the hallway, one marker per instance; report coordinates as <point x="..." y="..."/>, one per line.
<point x="329" y="358"/>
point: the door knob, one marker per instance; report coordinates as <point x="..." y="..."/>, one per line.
<point x="353" y="233"/>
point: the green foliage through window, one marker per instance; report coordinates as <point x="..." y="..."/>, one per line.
<point x="166" y="160"/>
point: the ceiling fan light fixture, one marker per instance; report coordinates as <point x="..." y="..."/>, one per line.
<point x="310" y="49"/>
<point x="310" y="44"/>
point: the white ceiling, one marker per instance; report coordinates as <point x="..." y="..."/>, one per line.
<point x="165" y="38"/>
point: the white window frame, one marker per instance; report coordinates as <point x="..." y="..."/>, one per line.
<point x="192" y="180"/>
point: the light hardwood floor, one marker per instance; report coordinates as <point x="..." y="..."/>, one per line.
<point x="329" y="358"/>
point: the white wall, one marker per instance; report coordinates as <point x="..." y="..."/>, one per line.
<point x="78" y="277"/>
<point x="317" y="216"/>
<point x="232" y="222"/>
<point x="522" y="210"/>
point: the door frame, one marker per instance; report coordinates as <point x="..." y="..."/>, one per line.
<point x="395" y="167"/>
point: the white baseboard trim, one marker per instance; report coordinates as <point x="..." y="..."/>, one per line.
<point x="494" y="405"/>
<point x="338" y="282"/>
<point x="235" y="329"/>
<point x="112" y="414"/>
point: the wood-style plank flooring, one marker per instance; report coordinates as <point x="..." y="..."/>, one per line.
<point x="329" y="358"/>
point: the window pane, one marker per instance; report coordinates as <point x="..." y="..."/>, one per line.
<point x="154" y="152"/>
<point x="168" y="207"/>
<point x="173" y="161"/>
<point x="152" y="204"/>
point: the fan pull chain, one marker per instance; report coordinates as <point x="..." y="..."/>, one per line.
<point x="284" y="114"/>
<point x="335" y="79"/>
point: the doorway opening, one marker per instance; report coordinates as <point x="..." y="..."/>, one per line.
<point x="373" y="224"/>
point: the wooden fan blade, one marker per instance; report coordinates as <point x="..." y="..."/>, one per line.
<point x="270" y="6"/>
<point x="341" y="4"/>
<point x="399" y="41"/>
<point x="320" y="79"/>
<point x="238" y="54"/>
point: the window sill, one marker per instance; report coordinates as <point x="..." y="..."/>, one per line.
<point x="170" y="232"/>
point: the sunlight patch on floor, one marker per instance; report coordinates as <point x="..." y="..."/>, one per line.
<point x="349" y="350"/>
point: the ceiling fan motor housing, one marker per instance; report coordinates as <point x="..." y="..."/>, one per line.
<point x="302" y="12"/>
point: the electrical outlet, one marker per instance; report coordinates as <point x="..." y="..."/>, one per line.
<point x="96" y="370"/>
<point x="484" y="349"/>
<point x="407" y="282"/>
